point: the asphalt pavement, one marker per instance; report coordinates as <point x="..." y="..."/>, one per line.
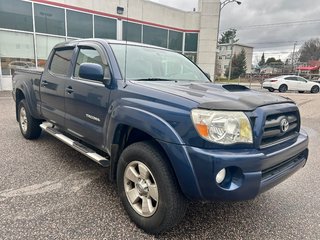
<point x="50" y="191"/>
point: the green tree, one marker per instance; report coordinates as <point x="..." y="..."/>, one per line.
<point x="270" y="60"/>
<point x="262" y="61"/>
<point x="239" y="65"/>
<point x="228" y="36"/>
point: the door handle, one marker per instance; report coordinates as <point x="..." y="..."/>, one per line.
<point x="44" y="83"/>
<point x="69" y="90"/>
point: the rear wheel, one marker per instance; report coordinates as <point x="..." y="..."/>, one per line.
<point x="283" y="88"/>
<point x="270" y="89"/>
<point x="315" y="89"/>
<point x="29" y="126"/>
<point x="148" y="188"/>
<point x="300" y="91"/>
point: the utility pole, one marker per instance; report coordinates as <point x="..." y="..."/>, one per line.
<point x="230" y="62"/>
<point x="293" y="53"/>
<point x="222" y="5"/>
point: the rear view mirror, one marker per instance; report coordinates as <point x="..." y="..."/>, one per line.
<point x="91" y="71"/>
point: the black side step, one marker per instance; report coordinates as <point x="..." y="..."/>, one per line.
<point x="49" y="128"/>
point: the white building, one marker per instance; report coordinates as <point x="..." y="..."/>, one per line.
<point x="30" y="28"/>
<point x="226" y="51"/>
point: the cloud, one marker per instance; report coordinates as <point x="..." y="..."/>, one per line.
<point x="186" y="5"/>
<point x="277" y="40"/>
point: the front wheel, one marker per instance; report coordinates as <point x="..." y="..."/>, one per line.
<point x="270" y="89"/>
<point x="148" y="189"/>
<point x="29" y="126"/>
<point x="315" y="89"/>
<point x="283" y="88"/>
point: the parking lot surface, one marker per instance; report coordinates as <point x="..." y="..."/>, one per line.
<point x="50" y="191"/>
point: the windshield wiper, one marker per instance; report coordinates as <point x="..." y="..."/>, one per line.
<point x="156" y="79"/>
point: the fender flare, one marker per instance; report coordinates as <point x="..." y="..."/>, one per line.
<point x="153" y="125"/>
<point x="165" y="135"/>
<point x="29" y="97"/>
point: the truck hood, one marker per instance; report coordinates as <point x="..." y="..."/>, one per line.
<point x="218" y="97"/>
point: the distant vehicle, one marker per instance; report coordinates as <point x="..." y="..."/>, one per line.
<point x="292" y="83"/>
<point x="21" y="64"/>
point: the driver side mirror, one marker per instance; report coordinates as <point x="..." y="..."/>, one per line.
<point x="91" y="71"/>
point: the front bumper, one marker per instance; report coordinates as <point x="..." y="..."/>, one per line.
<point x="249" y="171"/>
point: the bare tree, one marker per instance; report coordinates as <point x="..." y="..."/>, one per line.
<point x="295" y="56"/>
<point x="310" y="50"/>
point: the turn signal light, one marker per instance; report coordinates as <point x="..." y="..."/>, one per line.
<point x="202" y="130"/>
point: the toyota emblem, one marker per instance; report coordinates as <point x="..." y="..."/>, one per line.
<point x="284" y="125"/>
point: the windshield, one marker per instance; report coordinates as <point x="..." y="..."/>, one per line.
<point x="152" y="64"/>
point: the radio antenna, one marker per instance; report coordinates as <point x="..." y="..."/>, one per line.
<point x="126" y="48"/>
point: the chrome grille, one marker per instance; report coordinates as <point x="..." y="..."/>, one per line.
<point x="274" y="130"/>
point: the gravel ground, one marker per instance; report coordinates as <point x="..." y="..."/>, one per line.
<point x="49" y="191"/>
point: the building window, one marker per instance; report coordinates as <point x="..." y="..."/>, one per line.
<point x="60" y="63"/>
<point x="16" y="14"/>
<point x="44" y="47"/>
<point x="191" y="42"/>
<point x="175" y="40"/>
<point x="131" y="32"/>
<point x="191" y="56"/>
<point x="105" y="27"/>
<point x="155" y="36"/>
<point x="79" y="24"/>
<point x="49" y="20"/>
<point x="16" y="49"/>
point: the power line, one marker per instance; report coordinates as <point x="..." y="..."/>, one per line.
<point x="258" y="43"/>
<point x="273" y="53"/>
<point x="278" y="24"/>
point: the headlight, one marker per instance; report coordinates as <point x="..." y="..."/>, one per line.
<point x="222" y="126"/>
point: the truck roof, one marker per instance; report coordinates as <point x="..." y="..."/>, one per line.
<point x="104" y="41"/>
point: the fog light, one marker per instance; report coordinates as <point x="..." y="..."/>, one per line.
<point x="221" y="176"/>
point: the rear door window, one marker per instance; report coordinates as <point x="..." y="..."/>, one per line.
<point x="300" y="79"/>
<point x="61" y="61"/>
<point x="291" y="78"/>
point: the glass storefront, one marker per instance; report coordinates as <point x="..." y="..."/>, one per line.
<point x="16" y="50"/>
<point x="131" y="32"/>
<point x="155" y="36"/>
<point x="25" y="45"/>
<point x="79" y="24"/>
<point x="191" y="42"/>
<point x="16" y="14"/>
<point x="44" y="47"/>
<point x="105" y="27"/>
<point x="175" y="40"/>
<point x="49" y="20"/>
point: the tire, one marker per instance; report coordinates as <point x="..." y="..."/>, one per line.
<point x="300" y="91"/>
<point x="315" y="89"/>
<point x="29" y="126"/>
<point x="270" y="89"/>
<point x="143" y="167"/>
<point x="283" y="88"/>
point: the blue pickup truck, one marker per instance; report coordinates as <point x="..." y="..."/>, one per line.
<point x="168" y="135"/>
